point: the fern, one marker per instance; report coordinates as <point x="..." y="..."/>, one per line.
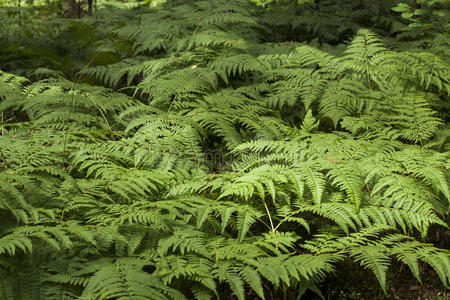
<point x="125" y="279"/>
<point x="221" y="149"/>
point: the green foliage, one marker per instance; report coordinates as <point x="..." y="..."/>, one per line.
<point x="202" y="149"/>
<point x="428" y="23"/>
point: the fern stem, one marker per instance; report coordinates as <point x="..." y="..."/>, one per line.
<point x="66" y="132"/>
<point x="248" y="167"/>
<point x="285" y="218"/>
<point x="270" y="217"/>
<point x="265" y="224"/>
<point x="88" y="64"/>
<point x="101" y="112"/>
<point x="170" y="106"/>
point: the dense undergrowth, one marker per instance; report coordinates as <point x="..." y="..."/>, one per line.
<point x="220" y="149"/>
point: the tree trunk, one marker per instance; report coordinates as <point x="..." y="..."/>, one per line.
<point x="90" y="7"/>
